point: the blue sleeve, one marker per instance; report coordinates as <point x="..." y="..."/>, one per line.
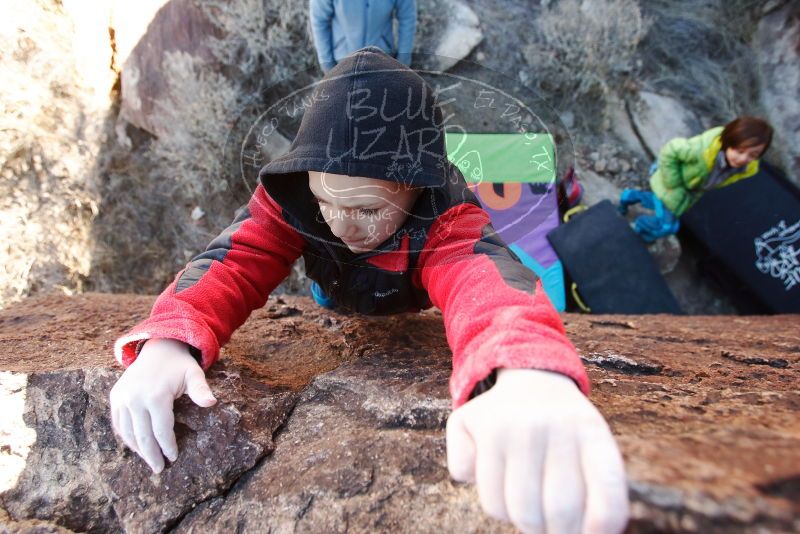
<point x="321" y="16"/>
<point x="406" y="12"/>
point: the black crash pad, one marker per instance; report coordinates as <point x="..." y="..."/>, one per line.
<point x="610" y="264"/>
<point x="749" y="234"/>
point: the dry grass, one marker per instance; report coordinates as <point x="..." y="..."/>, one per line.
<point x="145" y="231"/>
<point x="698" y="53"/>
<point x="50" y="131"/>
<point x="586" y="49"/>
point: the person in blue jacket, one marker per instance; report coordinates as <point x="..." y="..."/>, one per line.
<point x="341" y="27"/>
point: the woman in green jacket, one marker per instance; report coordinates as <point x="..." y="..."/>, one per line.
<point x="687" y="168"/>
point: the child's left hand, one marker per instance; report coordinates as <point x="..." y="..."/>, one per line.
<point x="541" y="455"/>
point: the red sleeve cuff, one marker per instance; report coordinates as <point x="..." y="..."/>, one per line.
<point x="540" y="345"/>
<point x="190" y="332"/>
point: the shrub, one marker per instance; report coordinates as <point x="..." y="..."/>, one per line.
<point x="586" y="49"/>
<point x="699" y="54"/>
<point x="51" y="124"/>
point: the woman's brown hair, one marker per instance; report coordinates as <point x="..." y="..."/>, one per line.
<point x="745" y="132"/>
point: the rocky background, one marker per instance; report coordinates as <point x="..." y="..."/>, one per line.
<point x="117" y="164"/>
<point x="120" y="120"/>
<point x="322" y="426"/>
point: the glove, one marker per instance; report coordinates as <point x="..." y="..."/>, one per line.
<point x="540" y="454"/>
<point x="141" y="400"/>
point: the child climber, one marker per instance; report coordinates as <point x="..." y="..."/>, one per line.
<point x="386" y="225"/>
<point x="687" y="168"/>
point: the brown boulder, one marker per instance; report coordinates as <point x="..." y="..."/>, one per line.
<point x="330" y="422"/>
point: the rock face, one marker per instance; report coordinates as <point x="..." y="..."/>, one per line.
<point x="53" y="103"/>
<point x="666" y="252"/>
<point x="235" y="41"/>
<point x="777" y="42"/>
<point x="658" y="118"/>
<point x="620" y="123"/>
<point x="330" y="423"/>
<point x="460" y="36"/>
<point x="179" y="26"/>
<point x="596" y="188"/>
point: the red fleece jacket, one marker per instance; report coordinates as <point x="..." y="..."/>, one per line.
<point x="489" y="324"/>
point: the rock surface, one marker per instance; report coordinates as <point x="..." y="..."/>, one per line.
<point x="596" y="188"/>
<point x="777" y="44"/>
<point x="667" y="253"/>
<point x="227" y="40"/>
<point x="460" y="36"/>
<point x="176" y="26"/>
<point x="621" y="125"/>
<point x="658" y="118"/>
<point x="328" y="422"/>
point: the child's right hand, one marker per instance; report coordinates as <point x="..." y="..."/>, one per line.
<point x="142" y="398"/>
<point x="541" y="455"/>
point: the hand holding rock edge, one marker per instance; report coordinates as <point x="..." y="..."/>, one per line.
<point x="142" y="399"/>
<point x="541" y="456"/>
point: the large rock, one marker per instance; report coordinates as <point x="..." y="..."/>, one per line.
<point x="658" y="118"/>
<point x="91" y="44"/>
<point x="324" y="425"/>
<point x="251" y="44"/>
<point x="597" y="188"/>
<point x="461" y="34"/>
<point x="620" y="122"/>
<point x="363" y="452"/>
<point x="777" y="45"/>
<point x="54" y="101"/>
<point x="77" y="476"/>
<point x="176" y="26"/>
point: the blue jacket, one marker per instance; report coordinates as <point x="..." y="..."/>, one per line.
<point x="340" y="27"/>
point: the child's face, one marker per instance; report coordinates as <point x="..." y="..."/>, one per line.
<point x="362" y="212"/>
<point x="739" y="157"/>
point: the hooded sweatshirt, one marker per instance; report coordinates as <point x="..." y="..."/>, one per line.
<point x="371" y="117"/>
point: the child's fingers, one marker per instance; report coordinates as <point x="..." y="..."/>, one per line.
<point x="460" y="449"/>
<point x="563" y="487"/>
<point x="197" y="387"/>
<point x="163" y="420"/>
<point x="126" y="429"/>
<point x="606" y="509"/>
<point x="145" y="440"/>
<point x="114" y="418"/>
<point x="490" y="478"/>
<point x="523" y="484"/>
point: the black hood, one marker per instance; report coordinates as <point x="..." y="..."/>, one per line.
<point x="369" y="116"/>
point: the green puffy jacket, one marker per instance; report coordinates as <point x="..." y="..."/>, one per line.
<point x="683" y="167"/>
